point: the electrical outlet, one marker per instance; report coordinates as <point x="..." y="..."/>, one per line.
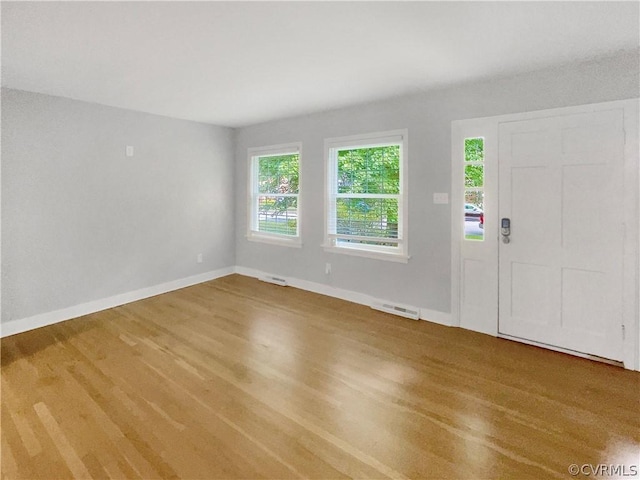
<point x="199" y="258"/>
<point x="327" y="269"/>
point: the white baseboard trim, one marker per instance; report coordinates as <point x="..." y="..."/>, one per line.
<point x="433" y="316"/>
<point x="49" y="318"/>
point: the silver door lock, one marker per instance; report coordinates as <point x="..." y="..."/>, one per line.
<point x="505" y="230"/>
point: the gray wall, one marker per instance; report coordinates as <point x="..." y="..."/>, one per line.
<point x="82" y="222"/>
<point x="425" y="281"/>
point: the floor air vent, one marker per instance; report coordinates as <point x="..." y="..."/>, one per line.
<point x="402" y="310"/>
<point x="272" y="279"/>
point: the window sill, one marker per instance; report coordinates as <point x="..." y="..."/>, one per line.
<point x="390" y="257"/>
<point x="294" y="242"/>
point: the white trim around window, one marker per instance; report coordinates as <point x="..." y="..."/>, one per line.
<point x="381" y="237"/>
<point x="273" y="210"/>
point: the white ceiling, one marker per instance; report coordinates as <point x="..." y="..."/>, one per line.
<point x="238" y="63"/>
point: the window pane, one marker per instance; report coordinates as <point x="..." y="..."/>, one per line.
<point x="278" y="215"/>
<point x="473" y="176"/>
<point x="278" y="174"/>
<point x="473" y="193"/>
<point x="367" y="217"/>
<point x="474" y="150"/>
<point x="369" y="170"/>
<point x="473" y="215"/>
<point x="475" y="198"/>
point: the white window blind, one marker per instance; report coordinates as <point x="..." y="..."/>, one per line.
<point x="274" y="188"/>
<point x="366" y="194"/>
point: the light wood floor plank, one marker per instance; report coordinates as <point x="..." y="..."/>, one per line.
<point x="236" y="378"/>
<point x="67" y="451"/>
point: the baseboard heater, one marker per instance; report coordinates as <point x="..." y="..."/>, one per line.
<point x="275" y="280"/>
<point x="395" y="309"/>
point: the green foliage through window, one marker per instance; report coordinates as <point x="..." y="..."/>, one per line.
<point x="278" y="187"/>
<point x="371" y="172"/>
<point x="474" y="150"/>
<point x="278" y="174"/>
<point x="474" y="187"/>
<point x="473" y="176"/>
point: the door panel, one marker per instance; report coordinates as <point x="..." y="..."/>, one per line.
<point x="532" y="293"/>
<point x="560" y="277"/>
<point x="539" y="223"/>
<point x="474" y="291"/>
<point x="582" y="308"/>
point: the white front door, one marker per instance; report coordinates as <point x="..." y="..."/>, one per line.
<point x="561" y="185"/>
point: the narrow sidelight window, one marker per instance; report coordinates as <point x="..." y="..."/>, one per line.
<point x="474" y="189"/>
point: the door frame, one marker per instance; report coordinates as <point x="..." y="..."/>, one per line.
<point x="488" y="127"/>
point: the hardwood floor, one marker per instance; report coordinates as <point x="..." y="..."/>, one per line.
<point x="236" y="378"/>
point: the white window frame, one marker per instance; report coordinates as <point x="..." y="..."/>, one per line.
<point x="465" y="189"/>
<point x="253" y="234"/>
<point x="379" y="139"/>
